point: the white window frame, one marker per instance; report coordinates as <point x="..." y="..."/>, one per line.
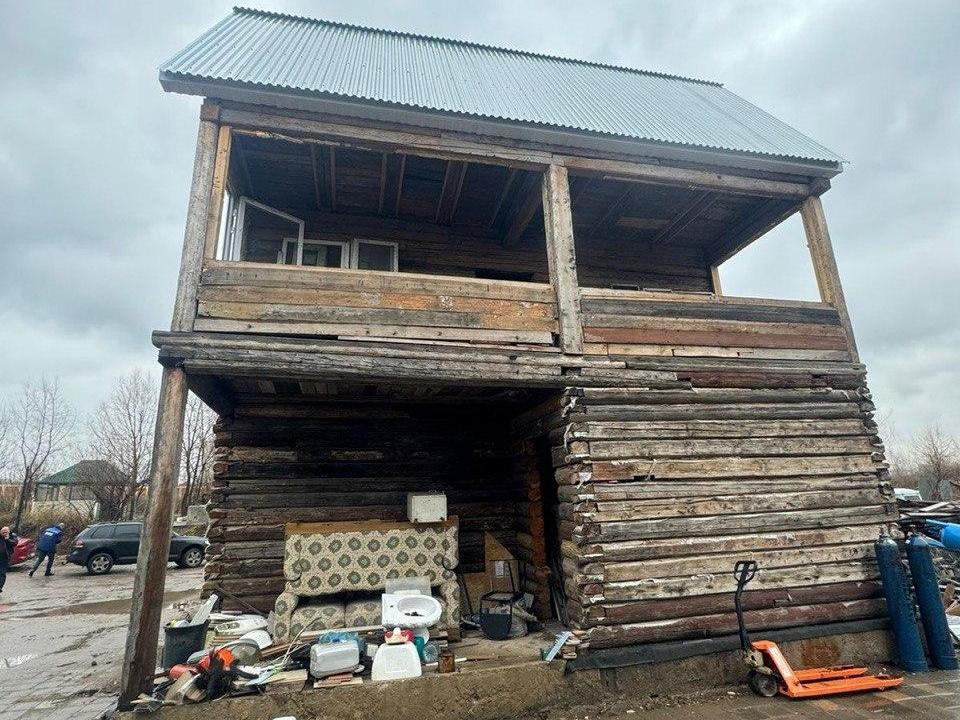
<point x="233" y="248"/>
<point x="300" y="243"/>
<point x="355" y="252"/>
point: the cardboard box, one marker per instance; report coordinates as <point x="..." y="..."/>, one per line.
<point x="502" y="569"/>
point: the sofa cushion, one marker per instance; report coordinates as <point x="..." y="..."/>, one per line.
<point x="360" y="613"/>
<point x="318" y="615"/>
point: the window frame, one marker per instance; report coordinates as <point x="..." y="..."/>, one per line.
<point x="233" y="245"/>
<point x="344" y="246"/>
<point x="355" y="253"/>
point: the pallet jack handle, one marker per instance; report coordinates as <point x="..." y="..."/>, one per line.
<point x="743" y="571"/>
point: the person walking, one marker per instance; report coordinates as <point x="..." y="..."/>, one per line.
<point x="47" y="547"/>
<point x="8" y="542"/>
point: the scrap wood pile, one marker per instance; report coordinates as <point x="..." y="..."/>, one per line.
<point x="945" y="511"/>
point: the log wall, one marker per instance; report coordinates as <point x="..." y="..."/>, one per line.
<point x="664" y="489"/>
<point x="280" y="462"/>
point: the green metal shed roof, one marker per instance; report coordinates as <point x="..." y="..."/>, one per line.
<point x="294" y="55"/>
<point x="86" y="472"/>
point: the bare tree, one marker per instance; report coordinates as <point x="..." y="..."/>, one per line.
<point x="121" y="432"/>
<point x="938" y="462"/>
<point x="42" y="425"/>
<point x="197" y="452"/>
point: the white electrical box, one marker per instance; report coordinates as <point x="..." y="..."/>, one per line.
<point x="426" y="507"/>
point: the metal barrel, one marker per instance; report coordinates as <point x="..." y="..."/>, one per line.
<point x="896" y="590"/>
<point x="932" y="615"/>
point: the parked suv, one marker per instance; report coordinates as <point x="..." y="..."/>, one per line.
<point x="99" y="547"/>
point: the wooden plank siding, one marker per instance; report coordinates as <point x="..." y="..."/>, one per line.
<point x="247" y="297"/>
<point x="630" y="323"/>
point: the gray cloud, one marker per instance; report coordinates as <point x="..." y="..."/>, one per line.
<point x="95" y="162"/>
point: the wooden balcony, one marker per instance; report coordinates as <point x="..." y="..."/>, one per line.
<point x="366" y="305"/>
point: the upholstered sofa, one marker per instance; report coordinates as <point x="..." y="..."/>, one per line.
<point x="336" y="572"/>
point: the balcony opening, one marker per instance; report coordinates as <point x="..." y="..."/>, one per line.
<point x="323" y="205"/>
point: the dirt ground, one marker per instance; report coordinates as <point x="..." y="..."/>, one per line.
<point x="62" y="639"/>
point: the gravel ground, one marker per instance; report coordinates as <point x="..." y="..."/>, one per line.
<point x="62" y="639"/>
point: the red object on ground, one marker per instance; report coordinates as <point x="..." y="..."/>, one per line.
<point x="178" y="670"/>
<point x="819" y="682"/>
<point x="25" y="550"/>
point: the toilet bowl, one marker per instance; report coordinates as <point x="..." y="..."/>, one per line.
<point x="410" y="611"/>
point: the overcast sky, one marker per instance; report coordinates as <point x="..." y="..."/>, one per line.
<point x="95" y="162"/>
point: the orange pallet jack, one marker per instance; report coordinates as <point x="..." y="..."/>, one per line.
<point x="770" y="672"/>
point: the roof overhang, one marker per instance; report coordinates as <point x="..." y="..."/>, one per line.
<point x="582" y="141"/>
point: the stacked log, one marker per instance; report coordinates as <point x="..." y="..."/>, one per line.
<point x="663" y="489"/>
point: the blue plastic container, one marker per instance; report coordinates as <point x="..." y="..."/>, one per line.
<point x="903" y="620"/>
<point x="932" y="615"/>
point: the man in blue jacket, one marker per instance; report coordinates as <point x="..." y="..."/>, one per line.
<point x="47" y="547"/>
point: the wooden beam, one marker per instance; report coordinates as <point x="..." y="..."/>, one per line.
<point x="640" y="172"/>
<point x="562" y="257"/>
<point x="693" y="210"/>
<point x="715" y="280"/>
<point x="450" y="193"/>
<point x="140" y="657"/>
<point x="825" y="265"/>
<point x="333" y="178"/>
<point x="219" y="184"/>
<point x="451" y="146"/>
<point x="198" y="214"/>
<point x="504" y="191"/>
<point x="528" y="202"/>
<point x="383" y="182"/>
<point x="614" y="210"/>
<point x="318" y="179"/>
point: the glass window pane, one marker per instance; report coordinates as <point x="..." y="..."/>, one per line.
<point x="322" y="255"/>
<point x="374" y="257"/>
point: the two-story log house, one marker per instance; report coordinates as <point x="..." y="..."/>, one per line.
<point x="419" y="264"/>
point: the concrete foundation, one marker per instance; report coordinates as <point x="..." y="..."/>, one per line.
<point x="512" y="691"/>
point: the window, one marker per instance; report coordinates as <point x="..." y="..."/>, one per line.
<point x="104" y="531"/>
<point x="316" y="253"/>
<point x="250" y="224"/>
<point x="373" y="255"/>
<point x="128" y="530"/>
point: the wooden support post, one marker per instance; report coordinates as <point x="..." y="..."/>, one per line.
<point x="825" y="265"/>
<point x="715" y="280"/>
<point x="140" y="657"/>
<point x="562" y="257"/>
<point x="198" y="217"/>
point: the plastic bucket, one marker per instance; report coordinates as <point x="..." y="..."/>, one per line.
<point x="179" y="643"/>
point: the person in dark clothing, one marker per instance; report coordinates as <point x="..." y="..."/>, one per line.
<point x="8" y="541"/>
<point x="47" y="547"/>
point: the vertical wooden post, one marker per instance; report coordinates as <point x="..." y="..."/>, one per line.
<point x="140" y="657"/>
<point x="562" y="257"/>
<point x="198" y="220"/>
<point x="825" y="265"/>
<point x="715" y="280"/>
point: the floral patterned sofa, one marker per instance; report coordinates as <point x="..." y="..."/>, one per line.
<point x="335" y="572"/>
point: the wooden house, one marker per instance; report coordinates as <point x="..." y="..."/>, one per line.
<point x="419" y="264"/>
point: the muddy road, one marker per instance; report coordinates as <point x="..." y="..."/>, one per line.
<point x="62" y="639"/>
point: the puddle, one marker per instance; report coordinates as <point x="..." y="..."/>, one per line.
<point x="12" y="662"/>
<point x="110" y="607"/>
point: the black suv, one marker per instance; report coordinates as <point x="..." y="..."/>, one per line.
<point x="99" y="547"/>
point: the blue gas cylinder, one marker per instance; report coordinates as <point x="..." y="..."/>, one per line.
<point x="932" y="615"/>
<point x="950" y="536"/>
<point x="896" y="590"/>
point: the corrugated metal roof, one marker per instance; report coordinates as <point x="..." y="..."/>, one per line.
<point x="290" y="54"/>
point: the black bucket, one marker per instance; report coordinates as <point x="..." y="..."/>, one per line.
<point x="179" y="643"/>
